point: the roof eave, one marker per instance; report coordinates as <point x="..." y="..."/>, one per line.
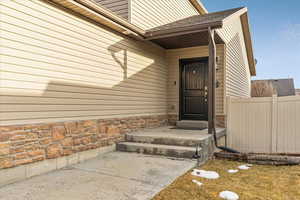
<point x="248" y="43"/>
<point x="101" y="15"/>
<point x="199" y="7"/>
<point x="182" y="30"/>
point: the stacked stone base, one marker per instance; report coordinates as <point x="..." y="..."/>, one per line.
<point x="25" y="144"/>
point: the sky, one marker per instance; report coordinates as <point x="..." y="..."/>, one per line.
<point x="275" y="28"/>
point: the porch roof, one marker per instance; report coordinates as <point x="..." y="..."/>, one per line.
<point x="193" y="31"/>
<point x="196" y="23"/>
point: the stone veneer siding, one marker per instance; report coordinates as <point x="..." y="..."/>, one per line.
<point x="24" y="144"/>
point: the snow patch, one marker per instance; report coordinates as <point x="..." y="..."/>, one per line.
<point x="205" y="174"/>
<point x="228" y="195"/>
<point x="244" y="167"/>
<point x="197" y="182"/>
<point x="233" y="171"/>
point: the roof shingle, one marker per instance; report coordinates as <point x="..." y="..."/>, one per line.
<point x="210" y="18"/>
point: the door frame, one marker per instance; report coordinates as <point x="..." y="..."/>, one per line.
<point x="181" y="64"/>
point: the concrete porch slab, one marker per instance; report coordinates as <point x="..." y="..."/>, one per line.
<point x="112" y="176"/>
<point x="173" y="132"/>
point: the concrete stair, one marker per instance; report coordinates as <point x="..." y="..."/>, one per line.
<point x="192" y="124"/>
<point x="170" y="142"/>
<point x="163" y="140"/>
<point x="157" y="149"/>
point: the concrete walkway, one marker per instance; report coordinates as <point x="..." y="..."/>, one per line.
<point x="112" y="176"/>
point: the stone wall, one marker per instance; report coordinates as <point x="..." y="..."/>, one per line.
<point x="173" y="118"/>
<point x="24" y="144"/>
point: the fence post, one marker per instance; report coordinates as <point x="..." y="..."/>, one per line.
<point x="274" y="124"/>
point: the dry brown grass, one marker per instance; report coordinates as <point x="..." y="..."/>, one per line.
<point x="260" y="183"/>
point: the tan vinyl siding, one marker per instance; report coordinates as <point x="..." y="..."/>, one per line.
<point x="173" y="57"/>
<point x="57" y="67"/>
<point x="119" y="7"/>
<point x="149" y="14"/>
<point x="238" y="78"/>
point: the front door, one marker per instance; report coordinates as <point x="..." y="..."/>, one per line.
<point x="193" y="90"/>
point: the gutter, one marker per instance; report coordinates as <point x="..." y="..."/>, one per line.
<point x="199" y="7"/>
<point x="101" y="15"/>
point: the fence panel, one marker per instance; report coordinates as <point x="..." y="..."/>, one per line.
<point x="264" y="125"/>
<point x="288" y="125"/>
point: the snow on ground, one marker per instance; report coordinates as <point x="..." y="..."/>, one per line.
<point x="205" y="174"/>
<point x="228" y="195"/>
<point x="244" y="167"/>
<point x="232" y="171"/>
<point x="197" y="182"/>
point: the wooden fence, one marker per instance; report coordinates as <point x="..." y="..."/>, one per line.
<point x="264" y="124"/>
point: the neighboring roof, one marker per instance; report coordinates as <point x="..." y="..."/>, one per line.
<point x="284" y="87"/>
<point x="193" y="23"/>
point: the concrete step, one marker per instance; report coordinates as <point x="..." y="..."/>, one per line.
<point x="192" y="124"/>
<point x="164" y="139"/>
<point x="157" y="149"/>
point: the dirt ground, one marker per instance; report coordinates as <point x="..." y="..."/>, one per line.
<point x="260" y="182"/>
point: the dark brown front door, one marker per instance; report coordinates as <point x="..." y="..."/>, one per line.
<point x="193" y="90"/>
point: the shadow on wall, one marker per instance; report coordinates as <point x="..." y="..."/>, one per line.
<point x="114" y="49"/>
<point x="69" y="116"/>
<point x="139" y="88"/>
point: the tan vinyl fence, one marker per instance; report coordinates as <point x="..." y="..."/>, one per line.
<point x="264" y="124"/>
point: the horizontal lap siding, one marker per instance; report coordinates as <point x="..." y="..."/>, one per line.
<point x="173" y="57"/>
<point x="120" y="7"/>
<point x="238" y="78"/>
<point x="57" y="67"/>
<point x="149" y="14"/>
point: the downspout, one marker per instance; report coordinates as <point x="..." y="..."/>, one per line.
<point x="212" y="91"/>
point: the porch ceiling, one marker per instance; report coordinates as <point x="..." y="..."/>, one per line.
<point x="186" y="40"/>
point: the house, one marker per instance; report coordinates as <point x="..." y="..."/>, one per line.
<point x="77" y="74"/>
<point x="297" y="91"/>
<point x="279" y="87"/>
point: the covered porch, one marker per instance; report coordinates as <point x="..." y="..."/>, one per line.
<point x="196" y="59"/>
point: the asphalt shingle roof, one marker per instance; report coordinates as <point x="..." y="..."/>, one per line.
<point x="197" y="20"/>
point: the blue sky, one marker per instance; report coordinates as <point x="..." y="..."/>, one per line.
<point x="275" y="27"/>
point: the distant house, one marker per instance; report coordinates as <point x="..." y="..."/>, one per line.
<point x="266" y="88"/>
<point x="297" y="91"/>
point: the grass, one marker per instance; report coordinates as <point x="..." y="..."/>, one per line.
<point x="261" y="182"/>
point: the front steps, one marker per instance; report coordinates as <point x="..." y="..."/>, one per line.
<point x="192" y="124"/>
<point x="170" y="142"/>
<point x="157" y="149"/>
